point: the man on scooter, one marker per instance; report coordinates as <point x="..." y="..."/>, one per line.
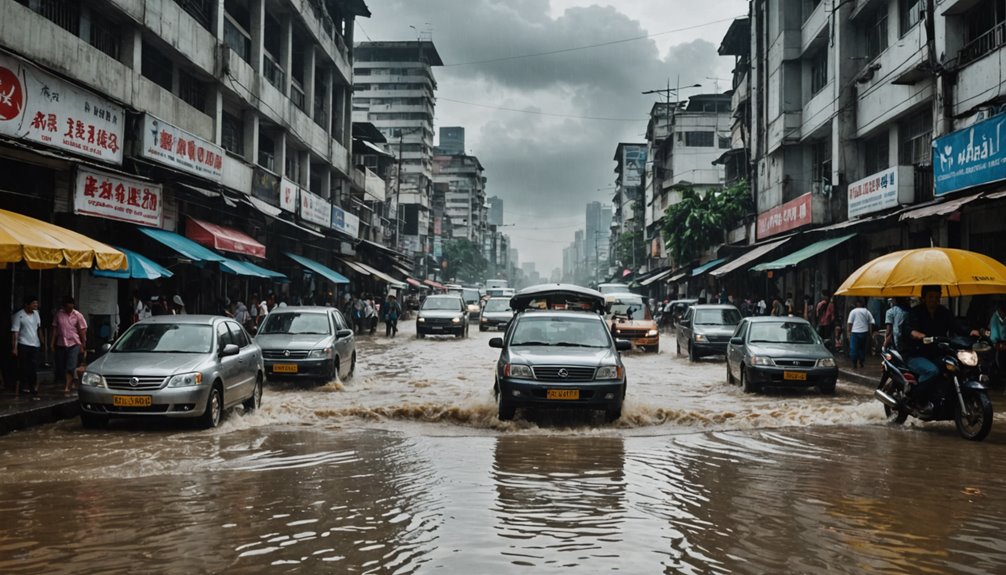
<point x="928" y="319"/>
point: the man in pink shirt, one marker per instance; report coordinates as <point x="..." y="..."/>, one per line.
<point x="68" y="337"/>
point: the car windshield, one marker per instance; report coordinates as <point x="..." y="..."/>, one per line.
<point x="717" y="317"/>
<point x="296" y="324"/>
<point x="498" y="305"/>
<point x="784" y="332"/>
<point x="612" y="288"/>
<point x="471" y="295"/>
<point x="630" y="308"/>
<point x="561" y="331"/>
<point x="166" y="338"/>
<point x="440" y="303"/>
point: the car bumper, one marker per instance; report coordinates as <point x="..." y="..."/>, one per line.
<point x="710" y="347"/>
<point x="167" y="402"/>
<point x="639" y="340"/>
<point x="439" y="328"/>
<point x="490" y="324"/>
<point x="298" y="368"/>
<point x="525" y="393"/>
<point x="776" y="376"/>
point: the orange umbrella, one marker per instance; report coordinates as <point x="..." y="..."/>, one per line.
<point x="903" y="273"/>
<point x="42" y="245"/>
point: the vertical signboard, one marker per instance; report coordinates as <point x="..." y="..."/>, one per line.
<point x="633" y="164"/>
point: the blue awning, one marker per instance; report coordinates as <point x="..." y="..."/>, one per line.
<point x="240" y="269"/>
<point x="802" y="254"/>
<point x="328" y="273"/>
<point x="137" y="267"/>
<point x="707" y="266"/>
<point x="183" y="245"/>
<point x="275" y="276"/>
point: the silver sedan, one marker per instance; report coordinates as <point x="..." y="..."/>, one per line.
<point x="190" y="366"/>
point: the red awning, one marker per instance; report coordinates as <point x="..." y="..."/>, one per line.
<point x="434" y="284"/>
<point x="223" y="238"/>
<point x="414" y="283"/>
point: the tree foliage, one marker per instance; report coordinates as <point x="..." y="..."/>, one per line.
<point x="465" y="262"/>
<point x="699" y="220"/>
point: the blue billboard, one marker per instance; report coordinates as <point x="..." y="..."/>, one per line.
<point x="970" y="157"/>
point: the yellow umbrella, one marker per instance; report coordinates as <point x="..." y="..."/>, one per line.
<point x="958" y="272"/>
<point x="42" y="245"/>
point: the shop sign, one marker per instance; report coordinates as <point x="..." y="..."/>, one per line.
<point x="265" y="186"/>
<point x="116" y="198"/>
<point x="288" y="195"/>
<point x="174" y="147"/>
<point x="887" y="189"/>
<point x="970" y="157"/>
<point x="789" y="216"/>
<point x="345" y="222"/>
<point x="315" y="209"/>
<point x="633" y="162"/>
<point x="40" y="108"/>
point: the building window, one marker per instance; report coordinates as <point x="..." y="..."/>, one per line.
<point x="819" y="71"/>
<point x="232" y="134"/>
<point x="104" y="35"/>
<point x="700" y="139"/>
<point x="984" y="29"/>
<point x="909" y="14"/>
<point x="237" y="22"/>
<point x="724" y="143"/>
<point x="64" y="13"/>
<point x="820" y="165"/>
<point x="916" y="139"/>
<point x="876" y="34"/>
<point x="876" y="154"/>
<point x="191" y="90"/>
<point x="156" y="67"/>
<point x="201" y="10"/>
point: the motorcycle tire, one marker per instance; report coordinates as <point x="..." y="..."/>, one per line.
<point x="897" y="417"/>
<point x="978" y="426"/>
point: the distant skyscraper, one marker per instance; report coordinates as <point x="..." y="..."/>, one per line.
<point x="495" y="211"/>
<point x="596" y="238"/>
<point x="452" y="141"/>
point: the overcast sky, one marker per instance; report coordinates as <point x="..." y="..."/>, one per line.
<point x="545" y="127"/>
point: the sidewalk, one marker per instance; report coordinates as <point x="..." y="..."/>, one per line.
<point x="867" y="375"/>
<point x="21" y="411"/>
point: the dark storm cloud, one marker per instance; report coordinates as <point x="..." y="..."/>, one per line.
<point x="541" y="164"/>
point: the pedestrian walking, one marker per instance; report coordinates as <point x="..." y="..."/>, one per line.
<point x="777" y="307"/>
<point x="177" y="305"/>
<point x="860" y="328"/>
<point x="825" y="312"/>
<point x="69" y="335"/>
<point x="370" y="315"/>
<point x="894" y="318"/>
<point x="243" y="317"/>
<point x="26" y="341"/>
<point x="392" y="311"/>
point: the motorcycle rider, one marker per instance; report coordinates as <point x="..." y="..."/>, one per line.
<point x="928" y="319"/>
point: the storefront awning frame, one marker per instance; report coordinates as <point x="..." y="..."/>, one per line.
<point x="708" y="266"/>
<point x="747" y="258"/>
<point x="182" y="245"/>
<point x="319" y="268"/>
<point x="223" y="238"/>
<point x="802" y="254"/>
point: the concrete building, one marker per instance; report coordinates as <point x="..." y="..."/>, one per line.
<point x="597" y="235"/>
<point x="395" y="91"/>
<point x="495" y="216"/>
<point x="452" y="141"/>
<point x="464" y="185"/>
<point x="628" y="208"/>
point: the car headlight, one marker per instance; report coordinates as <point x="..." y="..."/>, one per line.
<point x="517" y="370"/>
<point x="826" y="362"/>
<point x="699" y="338"/>
<point x="609" y="372"/>
<point x="324" y="352"/>
<point x="761" y="360"/>
<point x="651" y="333"/>
<point x="455" y="320"/>
<point x="91" y="379"/>
<point x="421" y="320"/>
<point x="185" y="379"/>
<point x="483" y="320"/>
<point x="967" y="357"/>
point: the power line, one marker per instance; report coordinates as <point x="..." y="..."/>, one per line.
<point x="590" y="46"/>
<point x="536" y="113"/>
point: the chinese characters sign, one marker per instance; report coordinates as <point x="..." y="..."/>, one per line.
<point x="315" y="209"/>
<point x="970" y="157"/>
<point x="179" y="149"/>
<point x="791" y="215"/>
<point x="633" y="162"/>
<point x="109" y="196"/>
<point x="887" y="189"/>
<point x="345" y="222"/>
<point x="288" y="195"/>
<point x="40" y="108"/>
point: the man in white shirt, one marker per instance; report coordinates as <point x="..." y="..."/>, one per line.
<point x="26" y="341"/>
<point x="860" y="328"/>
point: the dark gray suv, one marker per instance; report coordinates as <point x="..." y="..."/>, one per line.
<point x="442" y="314"/>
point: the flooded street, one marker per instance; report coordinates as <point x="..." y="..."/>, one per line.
<point x="405" y="469"/>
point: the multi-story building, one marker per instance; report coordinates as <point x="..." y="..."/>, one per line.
<point x="628" y="204"/>
<point x="452" y="141"/>
<point x="395" y="91"/>
<point x="597" y="236"/>
<point x="495" y="216"/>
<point x="225" y="120"/>
<point x="463" y="183"/>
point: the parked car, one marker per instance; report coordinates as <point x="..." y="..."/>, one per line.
<point x="779" y="351"/>
<point x="629" y="318"/>
<point x="706" y="329"/>
<point x="184" y="366"/>
<point x="496" y="314"/>
<point x="442" y="314"/>
<point x="307" y="342"/>
<point x="558" y="352"/>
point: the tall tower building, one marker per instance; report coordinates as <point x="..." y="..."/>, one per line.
<point x="452" y="141"/>
<point x="495" y="211"/>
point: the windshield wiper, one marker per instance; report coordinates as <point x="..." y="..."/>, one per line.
<point x="544" y="343"/>
<point x="571" y="344"/>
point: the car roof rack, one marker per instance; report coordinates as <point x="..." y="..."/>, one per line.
<point x="558" y="297"/>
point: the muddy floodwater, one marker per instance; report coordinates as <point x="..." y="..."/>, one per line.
<point x="404" y="468"/>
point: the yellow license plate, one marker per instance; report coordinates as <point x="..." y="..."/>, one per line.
<point x="284" y="368"/>
<point x="563" y="394"/>
<point x="794" y="375"/>
<point x="132" y="400"/>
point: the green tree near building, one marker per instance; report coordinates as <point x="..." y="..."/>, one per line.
<point x="700" y="220"/>
<point x="465" y="262"/>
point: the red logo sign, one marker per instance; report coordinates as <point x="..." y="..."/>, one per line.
<point x="11" y="95"/>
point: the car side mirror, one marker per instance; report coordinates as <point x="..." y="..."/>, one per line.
<point x="623" y="344"/>
<point x="230" y="349"/>
<point x="496" y="342"/>
<point x="343" y="333"/>
<point x="736" y="341"/>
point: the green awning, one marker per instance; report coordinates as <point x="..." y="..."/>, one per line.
<point x="707" y="266"/>
<point x="802" y="254"/>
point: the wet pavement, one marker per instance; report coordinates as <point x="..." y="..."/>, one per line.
<point x="405" y="469"/>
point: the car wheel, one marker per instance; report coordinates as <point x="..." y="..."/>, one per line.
<point x="93" y="421"/>
<point x="214" y="412"/>
<point x="255" y="401"/>
<point x="482" y="328"/>
<point x="827" y="388"/>
<point x="656" y="348"/>
<point x="352" y="366"/>
<point x="746" y="384"/>
<point x="420" y="335"/>
<point x="677" y="347"/>
<point x="692" y="355"/>
<point x="504" y="409"/>
<point x="613" y="414"/>
<point x="730" y="376"/>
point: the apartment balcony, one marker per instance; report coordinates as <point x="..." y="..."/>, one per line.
<point x="819" y="110"/>
<point x="784" y="129"/>
<point x="815" y="26"/>
<point x="979" y="65"/>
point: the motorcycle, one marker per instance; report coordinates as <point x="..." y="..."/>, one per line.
<point x="964" y="398"/>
